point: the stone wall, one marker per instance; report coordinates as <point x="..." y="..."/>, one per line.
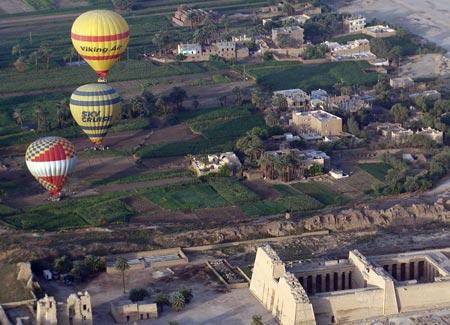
<point x="423" y="296"/>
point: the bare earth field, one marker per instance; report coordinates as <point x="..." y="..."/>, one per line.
<point x="14" y="6"/>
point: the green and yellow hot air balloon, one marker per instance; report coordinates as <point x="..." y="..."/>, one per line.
<point x="95" y="107"/>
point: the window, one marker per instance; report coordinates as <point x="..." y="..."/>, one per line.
<point x="84" y="307"/>
<point x="128" y="318"/>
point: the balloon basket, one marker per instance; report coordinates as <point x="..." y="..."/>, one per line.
<point x="55" y="198"/>
<point x="101" y="80"/>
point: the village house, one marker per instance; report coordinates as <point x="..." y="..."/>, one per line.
<point x="213" y="163"/>
<point x="296" y="98"/>
<point x="353" y="289"/>
<point x="293" y="33"/>
<point x="427" y="94"/>
<point x="354" y="24"/>
<point x="394" y="132"/>
<point x="380" y="31"/>
<point x="356" y="49"/>
<point x="224" y="49"/>
<point x="189" y="17"/>
<point x="189" y="49"/>
<point x="318" y="122"/>
<point x="433" y="134"/>
<point x="319" y="98"/>
<point x="297" y="19"/>
<point x="404" y="82"/>
<point x="346" y="103"/>
<point x="126" y="311"/>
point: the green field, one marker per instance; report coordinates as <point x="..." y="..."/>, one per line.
<point x="377" y="170"/>
<point x="220" y="128"/>
<point x="321" y="192"/>
<point x="185" y="197"/>
<point x="148" y="176"/>
<point x="286" y="75"/>
<point x="73" y="213"/>
<point x="232" y="191"/>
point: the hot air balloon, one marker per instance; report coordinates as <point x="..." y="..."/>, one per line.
<point x="51" y="160"/>
<point x="95" y="107"/>
<point x="100" y="37"/>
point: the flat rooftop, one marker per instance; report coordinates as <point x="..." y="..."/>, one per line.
<point x="319" y="114"/>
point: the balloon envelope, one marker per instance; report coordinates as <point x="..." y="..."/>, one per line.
<point x="51" y="160"/>
<point x="95" y="107"/>
<point x="100" y="37"/>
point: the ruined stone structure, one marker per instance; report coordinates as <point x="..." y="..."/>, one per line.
<point x="76" y="311"/>
<point x="352" y="289"/>
<point x="126" y="311"/>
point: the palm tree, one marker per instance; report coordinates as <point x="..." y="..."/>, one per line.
<point x="222" y="101"/>
<point x="195" y="102"/>
<point x="18" y="116"/>
<point x="163" y="104"/>
<point x="122" y="265"/>
<point x="267" y="165"/>
<point x="237" y="91"/>
<point x="46" y="53"/>
<point x="177" y="96"/>
<point x="257" y="99"/>
<point x="178" y="301"/>
<point x="16" y="50"/>
<point x="257" y="320"/>
<point x="162" y="300"/>
<point x="34" y="58"/>
<point x="62" y="113"/>
<point x="41" y="119"/>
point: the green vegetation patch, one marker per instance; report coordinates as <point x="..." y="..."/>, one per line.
<point x="377" y="170"/>
<point x="185" y="197"/>
<point x="285" y="190"/>
<point x="321" y="192"/>
<point x="73" y="213"/>
<point x="12" y="289"/>
<point x="151" y="176"/>
<point x="232" y="190"/>
<point x="278" y="75"/>
<point x="300" y="202"/>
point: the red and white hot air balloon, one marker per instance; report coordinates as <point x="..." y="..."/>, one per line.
<point x="51" y="160"/>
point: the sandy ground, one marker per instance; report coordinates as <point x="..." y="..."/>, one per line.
<point x="212" y="304"/>
<point x="427" y="18"/>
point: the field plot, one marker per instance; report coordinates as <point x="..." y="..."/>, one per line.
<point x="73" y="213"/>
<point x="232" y="191"/>
<point x="286" y="75"/>
<point x="185" y="197"/>
<point x="220" y="129"/>
<point x="321" y="192"/>
<point x="12" y="289"/>
<point x="377" y="170"/>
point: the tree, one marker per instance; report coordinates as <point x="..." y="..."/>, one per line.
<point x="250" y="145"/>
<point x="20" y="64"/>
<point x="34" y="58"/>
<point x="62" y="113"/>
<point x="352" y="126"/>
<point x="314" y="52"/>
<point x="222" y="101"/>
<point x="94" y="264"/>
<point x="195" y="102"/>
<point x="62" y="264"/>
<point x="399" y="113"/>
<point x="237" y="92"/>
<point x="45" y="53"/>
<point x="71" y="52"/>
<point x="187" y="294"/>
<point x="257" y="320"/>
<point x="138" y="107"/>
<point x="41" y="119"/>
<point x="16" y="50"/>
<point x="18" y="116"/>
<point x="162" y="300"/>
<point x="279" y="102"/>
<point x="224" y="171"/>
<point x="138" y="294"/>
<point x="177" y="96"/>
<point x="257" y="99"/>
<point x="161" y="40"/>
<point x="122" y="265"/>
<point x="79" y="270"/>
<point x="314" y="170"/>
<point x="163" y="104"/>
<point x="178" y="301"/>
<point x="271" y="119"/>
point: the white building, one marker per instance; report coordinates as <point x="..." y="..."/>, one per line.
<point x="380" y="31"/>
<point x="189" y="49"/>
<point x="319" y="97"/>
<point x="295" y="97"/>
<point x="428" y="94"/>
<point x="337" y="173"/>
<point x="433" y="134"/>
<point x="298" y="19"/>
<point x="213" y="163"/>
<point x="355" y="24"/>
<point x="404" y="82"/>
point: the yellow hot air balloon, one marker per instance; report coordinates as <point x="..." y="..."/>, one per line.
<point x="95" y="107"/>
<point x="100" y="37"/>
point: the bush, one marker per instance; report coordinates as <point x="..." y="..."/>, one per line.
<point x="138" y="294"/>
